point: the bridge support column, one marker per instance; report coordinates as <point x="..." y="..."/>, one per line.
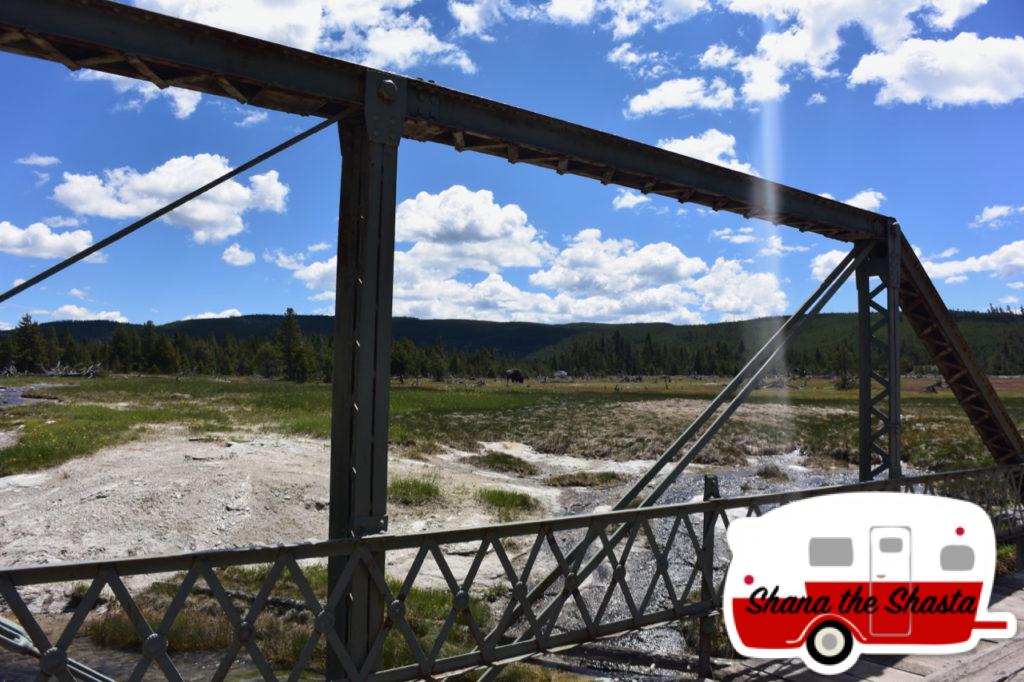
<point x="878" y="285"/>
<point x="362" y="354"/>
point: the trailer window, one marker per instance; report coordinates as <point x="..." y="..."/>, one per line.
<point x="891" y="545"/>
<point x="956" y="558"/>
<point x="831" y="552"/>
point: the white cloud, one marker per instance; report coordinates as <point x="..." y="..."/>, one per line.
<point x="808" y="38"/>
<point x="591" y="265"/>
<point x="682" y="93"/>
<point x="592" y="278"/>
<point x="627" y="198"/>
<point x="252" y="118"/>
<point x="775" y="247"/>
<point x="34" y="159"/>
<point x="459" y="229"/>
<point x="379" y="33"/>
<point x="237" y="256"/>
<point x="623" y="17"/>
<point x="1006" y="261"/>
<point x="183" y="102"/>
<point x="743" y="235"/>
<point x="61" y="221"/>
<point x="964" y="70"/>
<point x="288" y="261"/>
<point x="1009" y="300"/>
<point x="642" y="64"/>
<point x="319" y="246"/>
<point x="230" y="312"/>
<point x="817" y="98"/>
<point x="945" y="253"/>
<point x="956" y="279"/>
<point x="824" y="263"/>
<point x="718" y="56"/>
<point x="4" y="326"/>
<point x="712" y="146"/>
<point x="213" y="217"/>
<point x="996" y="216"/>
<point x="75" y="312"/>
<point x="1016" y="285"/>
<point x="78" y="293"/>
<point x="868" y="199"/>
<point x="737" y="294"/>
<point x="41" y="178"/>
<point x="39" y="241"/>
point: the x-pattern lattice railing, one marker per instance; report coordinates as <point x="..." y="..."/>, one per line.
<point x="615" y="572"/>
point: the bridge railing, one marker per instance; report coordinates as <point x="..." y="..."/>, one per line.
<point x="454" y="599"/>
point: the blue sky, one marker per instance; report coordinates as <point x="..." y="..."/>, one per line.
<point x="912" y="108"/>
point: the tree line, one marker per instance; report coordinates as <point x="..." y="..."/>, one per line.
<point x="292" y="355"/>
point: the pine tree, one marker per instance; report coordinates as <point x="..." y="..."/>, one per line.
<point x="296" y="356"/>
<point x="29" y="346"/>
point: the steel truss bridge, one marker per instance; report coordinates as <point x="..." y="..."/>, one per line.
<point x="565" y="581"/>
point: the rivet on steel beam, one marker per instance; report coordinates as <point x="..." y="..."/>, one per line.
<point x="387" y="90"/>
<point x="154" y="646"/>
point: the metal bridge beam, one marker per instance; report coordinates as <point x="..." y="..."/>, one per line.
<point x="362" y="352"/>
<point x="878" y="326"/>
<point x="115" y="38"/>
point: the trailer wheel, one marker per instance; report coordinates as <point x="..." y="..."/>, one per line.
<point x="830" y="643"/>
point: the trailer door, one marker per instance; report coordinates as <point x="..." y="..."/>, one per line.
<point x="890" y="569"/>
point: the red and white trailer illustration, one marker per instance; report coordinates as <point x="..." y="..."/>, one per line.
<point x="832" y="577"/>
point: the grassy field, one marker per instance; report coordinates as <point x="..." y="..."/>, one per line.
<point x="591" y="419"/>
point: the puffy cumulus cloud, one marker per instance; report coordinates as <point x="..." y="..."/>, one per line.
<point x="712" y="146"/>
<point x="824" y="263"/>
<point x="230" y="312"/>
<point x="316" y="248"/>
<point x="39" y="241"/>
<point x="996" y="216"/>
<point x="627" y="198"/>
<point x="964" y="70"/>
<point x="743" y="235"/>
<point x="774" y="246"/>
<point x="237" y="256"/>
<point x="380" y="33"/>
<point x="868" y="199"/>
<point x="77" y="312"/>
<point x="641" y="64"/>
<point x="62" y="221"/>
<point x="592" y="265"/>
<point x="718" y="56"/>
<point x="34" y="159"/>
<point x="624" y="18"/>
<point x="78" y="293"/>
<point x="213" y="217"/>
<point x="816" y="98"/>
<point x="252" y="118"/>
<point x="736" y="294"/>
<point x="1006" y="261"/>
<point x="682" y="93"/>
<point x="592" y="278"/>
<point x="809" y="35"/>
<point x="459" y="229"/>
<point x="183" y="102"/>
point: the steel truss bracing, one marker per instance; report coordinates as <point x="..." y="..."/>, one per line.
<point x="878" y="321"/>
<point x="663" y="569"/>
<point x="373" y="111"/>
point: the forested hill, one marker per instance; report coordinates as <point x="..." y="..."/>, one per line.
<point x="996" y="337"/>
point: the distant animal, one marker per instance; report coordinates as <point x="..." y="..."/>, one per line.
<point x="514" y="376"/>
